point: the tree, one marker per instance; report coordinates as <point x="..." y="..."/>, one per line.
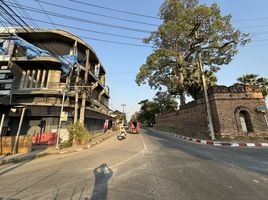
<point x="193" y="81"/>
<point x="147" y="112"/>
<point x="177" y="44"/>
<point x="165" y="101"/>
<point x="254" y="79"/>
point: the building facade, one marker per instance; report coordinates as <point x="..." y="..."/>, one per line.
<point x="37" y="69"/>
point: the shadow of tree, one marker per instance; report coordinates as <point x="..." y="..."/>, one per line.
<point x="102" y="176"/>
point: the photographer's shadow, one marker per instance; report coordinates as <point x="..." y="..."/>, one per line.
<point x="102" y="175"/>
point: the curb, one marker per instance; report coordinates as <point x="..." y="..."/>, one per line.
<point x="219" y="143"/>
<point x="43" y="154"/>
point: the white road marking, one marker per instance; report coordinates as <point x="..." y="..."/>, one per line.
<point x="145" y="147"/>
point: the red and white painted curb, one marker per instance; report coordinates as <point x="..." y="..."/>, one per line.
<point x="220" y="143"/>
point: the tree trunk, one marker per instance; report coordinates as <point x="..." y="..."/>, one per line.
<point x="181" y="87"/>
<point x="182" y="97"/>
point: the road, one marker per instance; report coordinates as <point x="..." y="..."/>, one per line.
<point x="150" y="165"/>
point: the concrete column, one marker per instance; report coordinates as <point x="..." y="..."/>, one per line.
<point x="49" y="79"/>
<point x="43" y="78"/>
<point x="38" y="78"/>
<point x="26" y="83"/>
<point x="22" y="80"/>
<point x="32" y="79"/>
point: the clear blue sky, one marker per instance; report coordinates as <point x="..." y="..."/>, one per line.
<point x="122" y="62"/>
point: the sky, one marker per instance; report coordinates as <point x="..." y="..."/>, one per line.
<point x="122" y="61"/>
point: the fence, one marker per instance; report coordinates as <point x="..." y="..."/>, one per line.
<point x="7" y="144"/>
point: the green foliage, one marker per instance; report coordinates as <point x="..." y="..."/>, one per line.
<point x="187" y="30"/>
<point x="78" y="134"/>
<point x="147" y="112"/>
<point x="162" y="101"/>
<point x="254" y="79"/>
<point x="193" y="80"/>
<point x="165" y="102"/>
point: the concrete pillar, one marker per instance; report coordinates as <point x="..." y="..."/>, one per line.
<point x="27" y="80"/>
<point x="38" y="78"/>
<point x="22" y="80"/>
<point x="43" y="78"/>
<point x="48" y="82"/>
<point x="32" y="79"/>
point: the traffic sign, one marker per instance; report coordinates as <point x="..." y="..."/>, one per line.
<point x="261" y="108"/>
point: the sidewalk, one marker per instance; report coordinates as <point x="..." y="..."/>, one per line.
<point x="39" y="152"/>
<point x="217" y="143"/>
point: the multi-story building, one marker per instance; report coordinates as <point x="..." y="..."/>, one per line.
<point x="37" y="67"/>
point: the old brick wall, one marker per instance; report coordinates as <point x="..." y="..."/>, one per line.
<point x="190" y="120"/>
<point x="226" y="103"/>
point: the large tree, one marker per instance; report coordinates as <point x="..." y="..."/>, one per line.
<point x="188" y="29"/>
<point x="165" y="101"/>
<point x="254" y="79"/>
<point x="147" y="112"/>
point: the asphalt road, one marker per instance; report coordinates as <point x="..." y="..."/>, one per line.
<point x="150" y="165"/>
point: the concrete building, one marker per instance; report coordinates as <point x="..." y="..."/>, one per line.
<point x="235" y="112"/>
<point x="37" y="82"/>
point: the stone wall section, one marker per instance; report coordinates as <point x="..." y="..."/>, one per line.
<point x="226" y="104"/>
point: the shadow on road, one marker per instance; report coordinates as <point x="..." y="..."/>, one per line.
<point x="102" y="176"/>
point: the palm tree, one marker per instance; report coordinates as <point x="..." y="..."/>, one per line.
<point x="254" y="79"/>
<point x="248" y="79"/>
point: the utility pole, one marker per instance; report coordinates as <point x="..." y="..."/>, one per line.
<point x="201" y="67"/>
<point x="59" y="125"/>
<point x="18" y="132"/>
<point x="76" y="104"/>
<point x="85" y="91"/>
<point x="265" y="119"/>
<point x="1" y="127"/>
<point x="68" y="81"/>
<point x="123" y="105"/>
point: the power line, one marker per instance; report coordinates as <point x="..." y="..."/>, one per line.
<point x="92" y="38"/>
<point x="84" y="20"/>
<point x="115" y="10"/>
<point x="84" y="29"/>
<point x="96" y="14"/>
<point x="250" y="19"/>
<point x="46" y="13"/>
<point x="254" y="26"/>
<point x="18" y="21"/>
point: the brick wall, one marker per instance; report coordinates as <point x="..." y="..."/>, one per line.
<point x="189" y="121"/>
<point x="226" y="104"/>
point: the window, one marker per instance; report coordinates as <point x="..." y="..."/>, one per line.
<point x="8" y="86"/>
<point x="9" y="76"/>
<point x="2" y="76"/>
<point x="3" y="67"/>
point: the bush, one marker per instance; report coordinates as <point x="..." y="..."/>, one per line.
<point x="78" y="134"/>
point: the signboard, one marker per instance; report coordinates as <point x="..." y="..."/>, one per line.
<point x="64" y="116"/>
<point x="106" y="124"/>
<point x="261" y="108"/>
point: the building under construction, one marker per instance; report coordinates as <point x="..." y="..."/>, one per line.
<point x="41" y="70"/>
